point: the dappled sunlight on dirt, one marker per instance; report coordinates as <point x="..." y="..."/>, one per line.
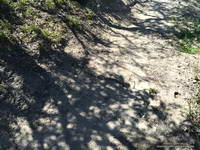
<point x="61" y="108"/>
<point x="115" y="93"/>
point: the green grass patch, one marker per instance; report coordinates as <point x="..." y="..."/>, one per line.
<point x="50" y="4"/>
<point x="188" y="36"/>
<point x="42" y="33"/>
<point x="45" y="21"/>
<point x="74" y="21"/>
<point x="189" y="47"/>
<point x="194" y="112"/>
<point x="5" y="31"/>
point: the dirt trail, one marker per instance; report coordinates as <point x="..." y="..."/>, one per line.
<point x="142" y="53"/>
<point x="114" y="109"/>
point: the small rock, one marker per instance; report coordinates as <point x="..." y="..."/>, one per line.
<point x="176" y="94"/>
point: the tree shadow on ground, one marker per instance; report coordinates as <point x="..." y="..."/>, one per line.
<point x="54" y="106"/>
<point x="78" y="112"/>
<point x="54" y="101"/>
<point x="122" y="12"/>
<point x="8" y="13"/>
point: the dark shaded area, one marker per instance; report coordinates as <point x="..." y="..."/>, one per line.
<point x="8" y="14"/>
<point x="83" y="100"/>
<point x="190" y="9"/>
<point x="41" y="86"/>
<point x="122" y="12"/>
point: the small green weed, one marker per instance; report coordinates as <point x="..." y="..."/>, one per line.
<point x="189" y="36"/>
<point x="29" y="12"/>
<point x="189" y="47"/>
<point x="153" y="91"/>
<point x="42" y="33"/>
<point x="50" y="4"/>
<point x="90" y="14"/>
<point x="51" y="35"/>
<point x="197" y="79"/>
<point x="72" y="20"/>
<point x="194" y="112"/>
<point x="21" y="5"/>
<point x="5" y="31"/>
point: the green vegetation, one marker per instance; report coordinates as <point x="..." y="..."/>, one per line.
<point x="153" y="91"/>
<point x="188" y="26"/>
<point x="189" y="36"/>
<point x="5" y="30"/>
<point x="194" y="113"/>
<point x="31" y="20"/>
<point x="47" y="34"/>
<point x="74" y="21"/>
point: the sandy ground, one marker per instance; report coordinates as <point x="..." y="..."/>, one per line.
<point x="110" y="104"/>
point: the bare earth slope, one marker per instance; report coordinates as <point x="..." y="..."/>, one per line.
<point x="134" y="99"/>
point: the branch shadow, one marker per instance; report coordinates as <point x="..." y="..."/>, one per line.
<point x="124" y="13"/>
<point x="54" y="101"/>
<point x="54" y="104"/>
